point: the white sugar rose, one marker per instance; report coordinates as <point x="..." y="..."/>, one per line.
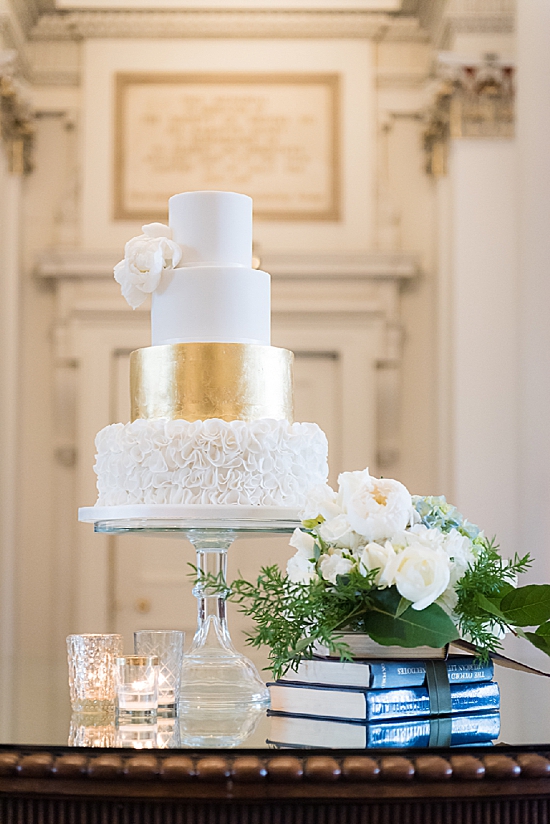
<point x="381" y="557"/>
<point x="332" y="565"/>
<point x="300" y="570"/>
<point x="145" y="259"/>
<point x="422" y="574"/>
<point x="376" y="508"/>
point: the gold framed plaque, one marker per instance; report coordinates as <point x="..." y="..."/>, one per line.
<point x="272" y="136"/>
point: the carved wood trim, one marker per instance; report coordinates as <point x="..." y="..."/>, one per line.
<point x="53" y="771"/>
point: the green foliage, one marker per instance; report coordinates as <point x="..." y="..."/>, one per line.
<point x="488" y="601"/>
<point x="290" y="618"/>
<point x="527" y="606"/>
<point x="430" y="627"/>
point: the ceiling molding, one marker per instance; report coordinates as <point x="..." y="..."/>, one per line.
<point x="75" y="25"/>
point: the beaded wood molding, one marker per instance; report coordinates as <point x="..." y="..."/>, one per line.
<point x="272" y="775"/>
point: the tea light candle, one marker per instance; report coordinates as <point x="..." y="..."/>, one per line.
<point x="137" y="685"/>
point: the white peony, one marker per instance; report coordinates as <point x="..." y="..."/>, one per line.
<point x="376" y="508"/>
<point x="382" y="557"/>
<point x="338" y="532"/>
<point x="321" y="500"/>
<point x="300" y="570"/>
<point x="422" y="574"/>
<point x="145" y="259"/>
<point x="332" y="565"/>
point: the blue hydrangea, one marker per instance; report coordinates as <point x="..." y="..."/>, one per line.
<point x="436" y="513"/>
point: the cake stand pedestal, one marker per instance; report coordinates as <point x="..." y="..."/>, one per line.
<point x="215" y="677"/>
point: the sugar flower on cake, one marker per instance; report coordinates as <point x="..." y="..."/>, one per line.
<point x="146" y="257"/>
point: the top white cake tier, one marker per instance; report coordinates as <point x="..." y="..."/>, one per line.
<point x="212" y="228"/>
<point x="214" y="295"/>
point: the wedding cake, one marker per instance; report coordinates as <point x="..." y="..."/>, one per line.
<point x="211" y="399"/>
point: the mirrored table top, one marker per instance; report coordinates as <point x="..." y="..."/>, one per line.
<point x="523" y="719"/>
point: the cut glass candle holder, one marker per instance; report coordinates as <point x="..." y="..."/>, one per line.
<point x="136" y="687"/>
<point x="167" y="645"/>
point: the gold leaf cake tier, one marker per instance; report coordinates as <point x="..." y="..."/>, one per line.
<point x="198" y="381"/>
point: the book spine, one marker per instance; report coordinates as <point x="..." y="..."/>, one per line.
<point x="416" y="733"/>
<point x="396" y="674"/>
<point x="414" y="701"/>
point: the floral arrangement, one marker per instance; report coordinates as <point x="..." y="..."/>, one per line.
<point x="406" y="570"/>
<point x="145" y="259"/>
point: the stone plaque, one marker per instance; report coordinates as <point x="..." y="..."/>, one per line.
<point x="271" y="136"/>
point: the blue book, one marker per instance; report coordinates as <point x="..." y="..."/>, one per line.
<point x="356" y="704"/>
<point x="454" y="730"/>
<point x="384" y="674"/>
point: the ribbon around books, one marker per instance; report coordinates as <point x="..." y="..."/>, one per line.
<point x="439" y="688"/>
<point x="440" y="731"/>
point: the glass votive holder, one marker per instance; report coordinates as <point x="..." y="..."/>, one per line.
<point x="168" y="735"/>
<point x="91" y="658"/>
<point x="89" y="730"/>
<point x="139" y="736"/>
<point x="167" y="645"/>
<point x="137" y="686"/>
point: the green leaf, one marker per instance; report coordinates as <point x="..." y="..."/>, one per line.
<point x="302" y="644"/>
<point x="527" y="606"/>
<point x="404" y="604"/>
<point x="489" y="606"/>
<point x="541" y="642"/>
<point x="316" y="551"/>
<point x="544" y="629"/>
<point x="430" y="627"/>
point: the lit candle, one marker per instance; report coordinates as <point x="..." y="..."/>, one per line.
<point x="137" y="685"/>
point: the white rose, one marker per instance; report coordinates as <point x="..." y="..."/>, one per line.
<point x="381" y="557"/>
<point x="145" y="259"/>
<point x="320" y="500"/>
<point x="338" y="532"/>
<point x="422" y="574"/>
<point x="376" y="508"/>
<point x="304" y="543"/>
<point x="300" y="570"/>
<point x="332" y="565"/>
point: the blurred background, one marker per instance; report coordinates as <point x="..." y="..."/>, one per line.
<point x="398" y="155"/>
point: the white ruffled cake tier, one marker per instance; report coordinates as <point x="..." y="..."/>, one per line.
<point x="260" y="463"/>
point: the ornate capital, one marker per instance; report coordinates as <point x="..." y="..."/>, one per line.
<point x="16" y="120"/>
<point x="472" y="100"/>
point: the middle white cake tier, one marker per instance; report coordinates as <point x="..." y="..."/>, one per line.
<point x="217" y="304"/>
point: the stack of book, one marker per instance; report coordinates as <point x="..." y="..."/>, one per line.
<point x="406" y="698"/>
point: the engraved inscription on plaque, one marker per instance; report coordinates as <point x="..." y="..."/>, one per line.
<point x="271" y="136"/>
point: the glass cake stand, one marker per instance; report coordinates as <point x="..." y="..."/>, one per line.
<point x="216" y="678"/>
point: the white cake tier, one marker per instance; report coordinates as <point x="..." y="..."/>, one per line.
<point x="212" y="304"/>
<point x="215" y="296"/>
<point x="212" y="227"/>
<point x="257" y="463"/>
